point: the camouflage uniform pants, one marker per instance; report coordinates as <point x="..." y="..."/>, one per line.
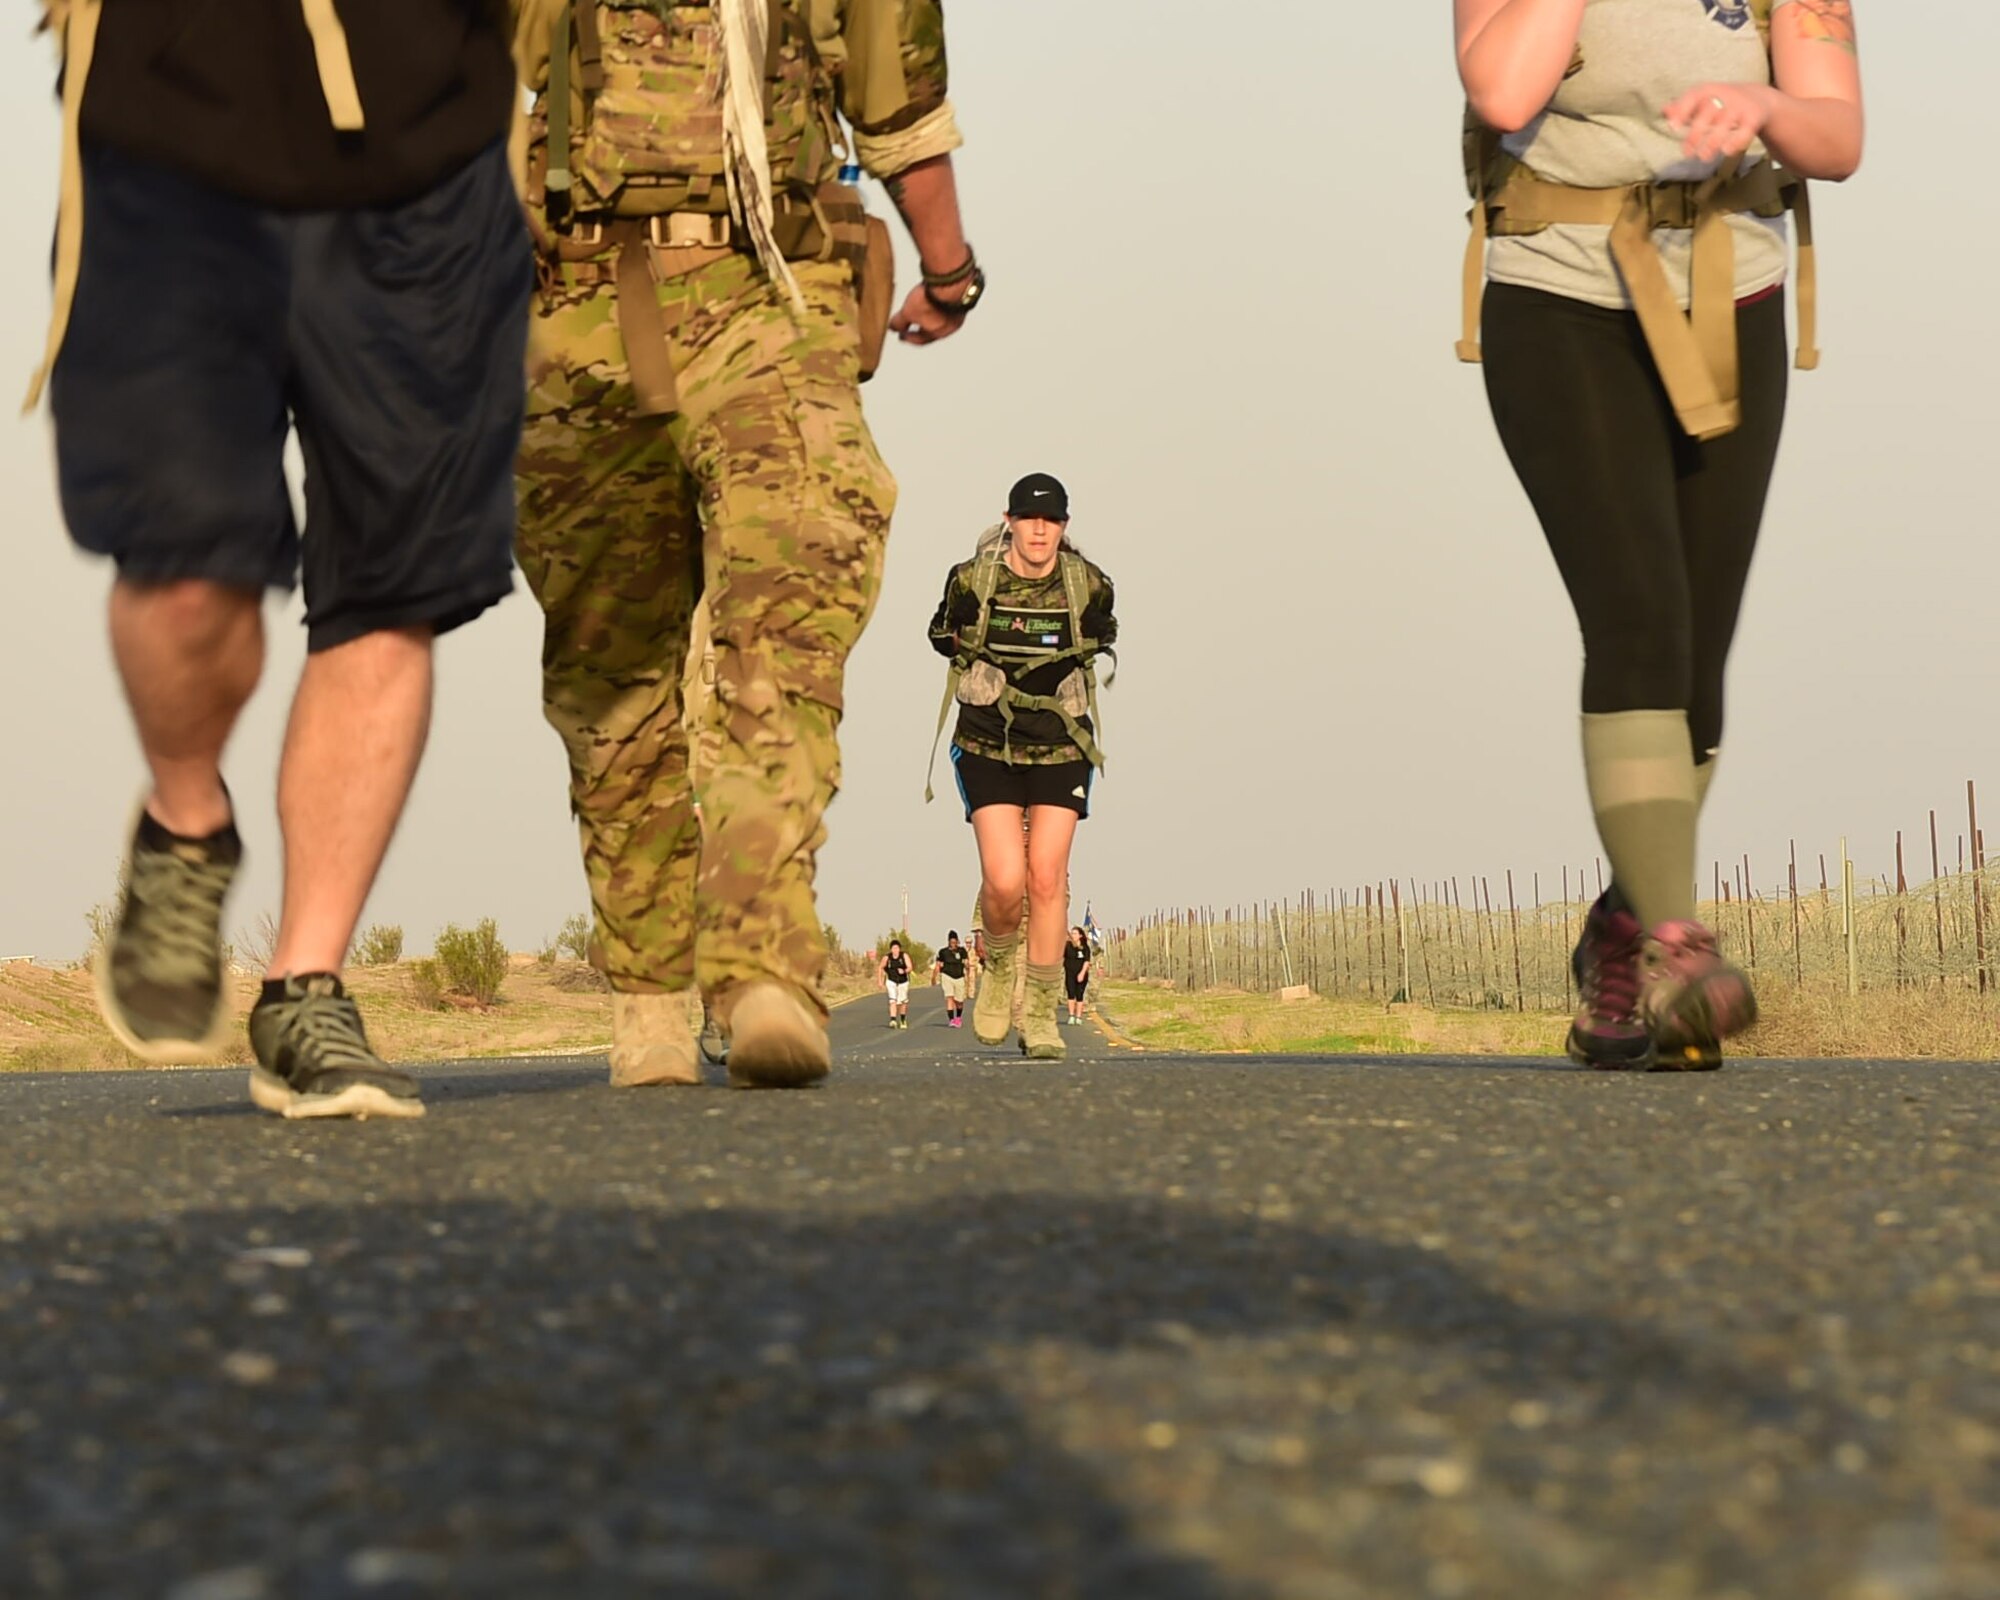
<point x="763" y="499"/>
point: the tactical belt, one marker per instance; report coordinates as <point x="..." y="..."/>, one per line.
<point x="1694" y="352"/>
<point x="636" y="254"/>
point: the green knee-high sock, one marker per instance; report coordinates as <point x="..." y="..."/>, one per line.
<point x="1643" y="791"/>
<point x="1704" y="775"/>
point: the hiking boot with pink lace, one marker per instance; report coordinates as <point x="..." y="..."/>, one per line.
<point x="1608" y="1033"/>
<point x="1693" y="999"/>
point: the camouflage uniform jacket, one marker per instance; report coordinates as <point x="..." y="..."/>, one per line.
<point x="886" y="60"/>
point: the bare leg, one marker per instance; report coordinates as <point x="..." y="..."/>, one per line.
<point x="358" y="727"/>
<point x="1051" y="831"/>
<point x="1003" y="869"/>
<point x="190" y="654"/>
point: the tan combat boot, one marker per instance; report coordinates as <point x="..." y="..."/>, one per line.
<point x="1041" y="1037"/>
<point x="993" y="1011"/>
<point x="776" y="1040"/>
<point x="651" y="1041"/>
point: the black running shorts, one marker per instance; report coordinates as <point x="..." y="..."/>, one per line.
<point x="392" y="339"/>
<point x="983" y="781"/>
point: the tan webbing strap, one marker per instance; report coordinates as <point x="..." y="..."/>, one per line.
<point x="589" y="53"/>
<point x="1474" y="285"/>
<point x="1695" y="352"/>
<point x="1807" y="288"/>
<point x="640" y="325"/>
<point x="1696" y="363"/>
<point x="944" y="712"/>
<point x="336" y="67"/>
<point x="79" y="44"/>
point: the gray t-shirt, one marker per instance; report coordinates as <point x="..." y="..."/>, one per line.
<point x="1606" y="127"/>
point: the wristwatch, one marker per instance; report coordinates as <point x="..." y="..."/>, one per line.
<point x="975" y="286"/>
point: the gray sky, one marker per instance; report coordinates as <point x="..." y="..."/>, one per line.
<point x="1224" y="252"/>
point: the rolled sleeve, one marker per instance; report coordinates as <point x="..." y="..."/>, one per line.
<point x="894" y="83"/>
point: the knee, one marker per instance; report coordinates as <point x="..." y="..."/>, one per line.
<point x="1643" y="666"/>
<point x="1005" y="882"/>
<point x="1047" y="884"/>
<point x="196" y="613"/>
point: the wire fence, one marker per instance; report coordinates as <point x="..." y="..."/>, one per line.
<point x="1504" y="943"/>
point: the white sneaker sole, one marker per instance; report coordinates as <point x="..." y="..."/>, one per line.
<point x="358" y="1100"/>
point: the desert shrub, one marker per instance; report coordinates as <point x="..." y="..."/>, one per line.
<point x="425" y="984"/>
<point x="380" y="945"/>
<point x="259" y="941"/>
<point x="472" y="961"/>
<point x="573" y="938"/>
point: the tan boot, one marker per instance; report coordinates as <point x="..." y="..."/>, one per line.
<point x="993" y="1011"/>
<point x="651" y="1041"/>
<point x="1041" y="1037"/>
<point x="776" y="1040"/>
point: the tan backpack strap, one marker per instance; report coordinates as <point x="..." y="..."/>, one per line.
<point x="336" y="66"/>
<point x="1808" y="282"/>
<point x="589" y="53"/>
<point x="79" y="44"/>
<point x="1696" y="353"/>
<point x="640" y="325"/>
<point x="1473" y="288"/>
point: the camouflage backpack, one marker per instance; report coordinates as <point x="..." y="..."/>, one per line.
<point x="1695" y="354"/>
<point x="630" y="123"/>
<point x="977" y="678"/>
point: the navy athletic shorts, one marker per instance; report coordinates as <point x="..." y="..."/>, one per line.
<point x="393" y="339"/>
<point x="984" y="781"/>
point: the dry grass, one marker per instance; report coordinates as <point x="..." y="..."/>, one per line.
<point x="1909" y="1024"/>
<point x="1228" y="1021"/>
<point x="49" y="1022"/>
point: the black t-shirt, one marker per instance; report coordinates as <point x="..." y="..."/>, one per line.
<point x="228" y="92"/>
<point x="1074" y="956"/>
<point x="1029" y="618"/>
<point x="896" y="969"/>
<point x="952" y="962"/>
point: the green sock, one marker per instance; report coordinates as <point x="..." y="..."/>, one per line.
<point x="1643" y="791"/>
<point x="997" y="946"/>
<point x="1045" y="972"/>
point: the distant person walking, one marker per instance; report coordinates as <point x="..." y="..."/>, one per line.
<point x="270" y="224"/>
<point x="1023" y="622"/>
<point x="895" y="972"/>
<point x="1622" y="159"/>
<point x="950" y="968"/>
<point x="1076" y="974"/>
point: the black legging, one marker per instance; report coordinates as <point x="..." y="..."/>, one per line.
<point x="1652" y="531"/>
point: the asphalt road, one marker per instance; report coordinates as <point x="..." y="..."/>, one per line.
<point x="957" y="1326"/>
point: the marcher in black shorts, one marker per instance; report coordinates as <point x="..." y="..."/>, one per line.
<point x="267" y="227"/>
<point x="1023" y="621"/>
<point x="1076" y="973"/>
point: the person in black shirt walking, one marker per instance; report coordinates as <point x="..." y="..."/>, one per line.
<point x="895" y="970"/>
<point x="1023" y="622"/>
<point x="299" y="219"/>
<point x="1076" y="973"/>
<point x="949" y="969"/>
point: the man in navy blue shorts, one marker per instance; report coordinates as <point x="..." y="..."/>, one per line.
<point x="282" y="217"/>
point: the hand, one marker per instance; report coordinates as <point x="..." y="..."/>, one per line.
<point x="964" y="612"/>
<point x="1720" y="119"/>
<point x="920" y="322"/>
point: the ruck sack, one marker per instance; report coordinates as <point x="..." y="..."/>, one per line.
<point x="976" y="678"/>
<point x="1695" y="351"/>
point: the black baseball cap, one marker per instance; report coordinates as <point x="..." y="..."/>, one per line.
<point x="1039" y="495"/>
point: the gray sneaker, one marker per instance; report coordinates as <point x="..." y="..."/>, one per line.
<point x="159" y="972"/>
<point x="314" y="1059"/>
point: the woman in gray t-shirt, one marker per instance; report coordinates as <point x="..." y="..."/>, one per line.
<point x="1634" y="333"/>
